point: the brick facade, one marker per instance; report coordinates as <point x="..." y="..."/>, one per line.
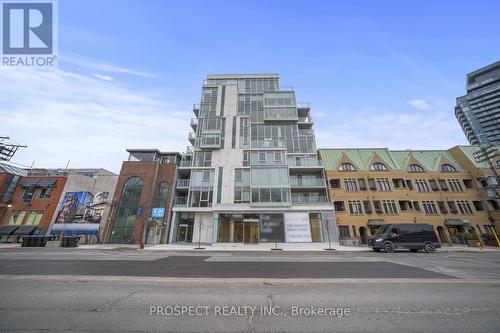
<point x="152" y="173"/>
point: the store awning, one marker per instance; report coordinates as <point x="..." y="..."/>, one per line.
<point x="376" y="222"/>
<point x="44" y="182"/>
<point x="28" y="182"/>
<point x="8" y="230"/>
<point x="25" y="230"/>
<point x="38" y="182"/>
<point x="453" y="222"/>
<point x="75" y="229"/>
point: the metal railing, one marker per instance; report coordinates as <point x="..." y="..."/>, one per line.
<point x="303" y="105"/>
<point x="180" y="201"/>
<point x="182" y="183"/>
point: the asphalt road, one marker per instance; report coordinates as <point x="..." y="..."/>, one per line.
<point x="136" y="291"/>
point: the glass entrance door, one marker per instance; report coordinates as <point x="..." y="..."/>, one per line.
<point x="250" y="231"/>
<point x="182" y="233"/>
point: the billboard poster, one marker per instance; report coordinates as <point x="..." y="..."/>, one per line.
<point x="80" y="213"/>
<point x="272" y="228"/>
<point x="297" y="227"/>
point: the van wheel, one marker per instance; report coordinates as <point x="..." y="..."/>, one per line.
<point x="429" y="248"/>
<point x="414" y="250"/>
<point x="389" y="248"/>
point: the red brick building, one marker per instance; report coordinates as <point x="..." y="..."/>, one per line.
<point x="146" y="181"/>
<point x="33" y="200"/>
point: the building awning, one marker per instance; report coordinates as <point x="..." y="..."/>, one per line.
<point x="38" y="182"/>
<point x="29" y="182"/>
<point x="453" y="222"/>
<point x="75" y="229"/>
<point x="375" y="222"/>
<point x="25" y="230"/>
<point x="8" y="230"/>
<point x="44" y="182"/>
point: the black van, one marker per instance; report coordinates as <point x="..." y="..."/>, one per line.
<point x="411" y="236"/>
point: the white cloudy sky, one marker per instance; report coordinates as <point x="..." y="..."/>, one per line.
<point x="90" y="118"/>
<point x="129" y="74"/>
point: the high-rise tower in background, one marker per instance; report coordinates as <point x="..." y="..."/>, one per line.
<point x="478" y="112"/>
<point x="252" y="173"/>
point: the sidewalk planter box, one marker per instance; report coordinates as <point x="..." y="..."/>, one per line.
<point x="491" y="242"/>
<point x="53" y="244"/>
<point x="70" y="241"/>
<point x="472" y="242"/>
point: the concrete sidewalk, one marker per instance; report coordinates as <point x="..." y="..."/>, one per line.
<point x="262" y="247"/>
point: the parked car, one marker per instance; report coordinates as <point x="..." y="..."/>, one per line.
<point x="411" y="236"/>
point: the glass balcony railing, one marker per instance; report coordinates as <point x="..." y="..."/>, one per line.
<point x="194" y="122"/>
<point x="180" y="201"/>
<point x="268" y="144"/>
<point x="280" y="113"/>
<point x="186" y="163"/>
<point x="305" y="119"/>
<point x="307" y="182"/>
<point x="309" y="200"/>
<point x="182" y="183"/>
<point x="294" y="162"/>
<point x="196" y="109"/>
<point x="191" y="137"/>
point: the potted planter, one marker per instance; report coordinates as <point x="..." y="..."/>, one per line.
<point x="470" y="238"/>
<point x="489" y="240"/>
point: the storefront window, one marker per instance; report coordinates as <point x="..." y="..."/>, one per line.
<point x="17" y="217"/>
<point x="34" y="218"/>
<point x="316" y="227"/>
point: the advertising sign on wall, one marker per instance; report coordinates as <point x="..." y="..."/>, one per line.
<point x="297" y="227"/>
<point x="80" y="213"/>
<point x="272" y="228"/>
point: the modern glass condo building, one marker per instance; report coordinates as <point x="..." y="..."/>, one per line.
<point x="252" y="174"/>
<point x="478" y="112"/>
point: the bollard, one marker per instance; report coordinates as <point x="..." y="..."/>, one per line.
<point x="480" y="246"/>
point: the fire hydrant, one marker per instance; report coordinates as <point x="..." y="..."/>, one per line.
<point x="480" y="246"/>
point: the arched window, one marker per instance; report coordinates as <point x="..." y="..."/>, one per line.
<point x="161" y="195"/>
<point x="448" y="168"/>
<point x="416" y="168"/>
<point x="378" y="166"/>
<point x="347" y="167"/>
<point x="127" y="210"/>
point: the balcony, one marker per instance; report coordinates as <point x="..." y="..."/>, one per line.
<point x="186" y="163"/>
<point x="180" y="202"/>
<point x="192" y="138"/>
<point x="303" y="105"/>
<point x="212" y="125"/>
<point x="194" y="123"/>
<point x="182" y="183"/>
<point x="314" y="200"/>
<point x="268" y="144"/>
<point x="209" y="141"/>
<point x="305" y="119"/>
<point x="307" y="182"/>
<point x="304" y="162"/>
<point x="280" y="114"/>
<point x="196" y="110"/>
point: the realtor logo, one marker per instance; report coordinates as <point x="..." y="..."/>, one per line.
<point x="29" y="33"/>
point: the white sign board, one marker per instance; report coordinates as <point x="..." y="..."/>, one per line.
<point x="297" y="227"/>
